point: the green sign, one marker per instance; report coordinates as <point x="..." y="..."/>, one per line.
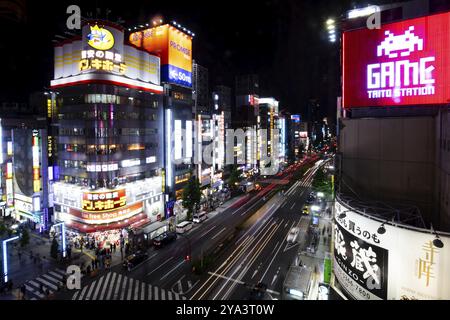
<point x="327" y="270"/>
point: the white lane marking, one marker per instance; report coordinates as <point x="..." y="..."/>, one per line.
<point x="113" y="278"/>
<point x="293" y="206"/>
<point x="175" y="268"/>
<point x="270" y="264"/>
<point x="160" y="266"/>
<point x="217" y="234"/>
<point x="204" y="234"/>
<point x="116" y="291"/>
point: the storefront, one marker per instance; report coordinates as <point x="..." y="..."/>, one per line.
<point x="129" y="206"/>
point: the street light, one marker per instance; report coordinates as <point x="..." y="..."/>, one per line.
<point x="5" y="256"/>
<point x="63" y="235"/>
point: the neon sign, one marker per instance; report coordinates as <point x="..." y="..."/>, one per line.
<point x="401" y="64"/>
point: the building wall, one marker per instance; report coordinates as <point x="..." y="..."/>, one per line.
<point x="443" y="170"/>
<point x="391" y="159"/>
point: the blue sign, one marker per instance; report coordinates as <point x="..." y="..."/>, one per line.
<point x="176" y="75"/>
<point x="296" y="118"/>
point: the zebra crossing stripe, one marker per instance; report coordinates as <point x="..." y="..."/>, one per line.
<point x="48" y="284"/>
<point x="142" y="291"/>
<point x="57" y="275"/>
<point x="108" y="296"/>
<point x="130" y="289"/>
<point x="124" y="283"/>
<point x="105" y="285"/>
<point x="99" y="284"/>
<point x="49" y="278"/>
<point x="74" y="297"/>
<point x="169" y="295"/>
<point x="136" y="291"/>
<point x="32" y="291"/>
<point x="177" y="296"/>
<point x="149" y="292"/>
<point x="82" y="293"/>
<point x="116" y="292"/>
<point x="156" y="293"/>
<point x="163" y="294"/>
<point x="91" y="287"/>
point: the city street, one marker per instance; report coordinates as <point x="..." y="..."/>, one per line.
<point x="166" y="269"/>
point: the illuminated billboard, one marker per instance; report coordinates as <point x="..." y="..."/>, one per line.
<point x="174" y="48"/>
<point x="100" y="56"/>
<point x="400" y="264"/>
<point x="104" y="201"/>
<point x="402" y="64"/>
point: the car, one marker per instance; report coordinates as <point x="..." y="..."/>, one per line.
<point x="199" y="217"/>
<point x="134" y="259"/>
<point x="293" y="235"/>
<point x="164" y="239"/>
<point x="305" y="210"/>
<point x="184" y="227"/>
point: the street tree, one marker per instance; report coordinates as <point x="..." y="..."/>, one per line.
<point x="234" y="177"/>
<point x="191" y="196"/>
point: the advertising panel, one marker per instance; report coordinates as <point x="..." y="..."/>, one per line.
<point x="401" y="264"/>
<point x="104" y="201"/>
<point x="174" y="48"/>
<point x="403" y="63"/>
<point x="100" y="55"/>
<point x="106" y="217"/>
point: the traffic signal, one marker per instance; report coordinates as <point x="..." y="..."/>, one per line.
<point x="187" y="258"/>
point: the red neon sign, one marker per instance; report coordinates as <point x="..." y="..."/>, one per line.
<point x="402" y="64"/>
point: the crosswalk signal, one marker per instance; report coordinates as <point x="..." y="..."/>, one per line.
<point x="187" y="258"/>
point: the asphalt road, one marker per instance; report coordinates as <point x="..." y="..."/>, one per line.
<point x="261" y="254"/>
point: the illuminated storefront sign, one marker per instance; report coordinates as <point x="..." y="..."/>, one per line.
<point x="36" y="162"/>
<point x="104" y="201"/>
<point x="106" y="217"/>
<point x="398" y="264"/>
<point x="402" y="63"/>
<point x="296" y="118"/>
<point x="102" y="60"/>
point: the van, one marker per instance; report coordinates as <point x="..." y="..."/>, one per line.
<point x="184" y="227"/>
<point x="199" y="217"/>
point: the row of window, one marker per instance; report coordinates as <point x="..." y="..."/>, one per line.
<point x="107" y="132"/>
<point x="106" y="149"/>
<point x="109" y="183"/>
<point x="105" y="116"/>
<point x="108" y="99"/>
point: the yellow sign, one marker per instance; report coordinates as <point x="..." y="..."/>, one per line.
<point x="180" y="50"/>
<point x="100" y="38"/>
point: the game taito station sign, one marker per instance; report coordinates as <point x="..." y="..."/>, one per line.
<point x="403" y="63"/>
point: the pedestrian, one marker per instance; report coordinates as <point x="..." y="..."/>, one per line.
<point x="110" y="247"/>
<point x="114" y="247"/>
<point x="23" y="290"/>
<point x="93" y="264"/>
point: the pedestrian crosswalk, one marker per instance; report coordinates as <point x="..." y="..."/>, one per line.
<point x="116" y="286"/>
<point x="49" y="281"/>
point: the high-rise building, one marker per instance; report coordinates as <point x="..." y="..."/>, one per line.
<point x="109" y="113"/>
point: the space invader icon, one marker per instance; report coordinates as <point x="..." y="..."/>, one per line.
<point x="404" y="44"/>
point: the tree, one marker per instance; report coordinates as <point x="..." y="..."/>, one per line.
<point x="191" y="196"/>
<point x="25" y="239"/>
<point x="54" y="249"/>
<point x="234" y="177"/>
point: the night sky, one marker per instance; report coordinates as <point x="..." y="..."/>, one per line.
<point x="281" y="40"/>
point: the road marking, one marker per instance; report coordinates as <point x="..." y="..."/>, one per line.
<point x="160" y="266"/>
<point x="270" y="264"/>
<point x="113" y="278"/>
<point x="104" y="286"/>
<point x="204" y="234"/>
<point x="116" y="291"/>
<point x="149" y="292"/>
<point x="274" y="278"/>
<point x="293" y="206"/>
<point x="218" y="233"/>
<point x="130" y="289"/>
<point x="176" y="267"/>
<point x="142" y="291"/>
